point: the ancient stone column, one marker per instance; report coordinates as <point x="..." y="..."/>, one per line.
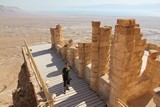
<point x="104" y="49"/>
<point x="84" y="51"/>
<point x="58" y="34"/>
<point x="64" y="50"/>
<point x="152" y="70"/>
<point x="101" y="41"/>
<point x="95" y="55"/>
<point x="71" y="56"/>
<point x="126" y="60"/>
<point x="52" y="37"/>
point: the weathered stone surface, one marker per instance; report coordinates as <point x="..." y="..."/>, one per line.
<point x="153" y="53"/>
<point x="88" y="73"/>
<point x="104" y="87"/>
<point x="118" y="56"/>
<point x="156" y="97"/>
<point x="126" y="22"/>
<point x="101" y="38"/>
<point x="26" y="93"/>
<point x="84" y="51"/>
<point x="96" y="23"/>
<point x="126" y="59"/>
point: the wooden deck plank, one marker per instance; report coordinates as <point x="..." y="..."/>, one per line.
<point x="50" y="65"/>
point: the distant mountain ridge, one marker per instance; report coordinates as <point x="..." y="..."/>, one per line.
<point x="8" y="9"/>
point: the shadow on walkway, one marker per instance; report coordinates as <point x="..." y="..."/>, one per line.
<point x="79" y="92"/>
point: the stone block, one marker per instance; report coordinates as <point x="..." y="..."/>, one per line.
<point x="87" y="50"/>
<point x="106" y="43"/>
<point x="93" y="74"/>
<point x="59" y="26"/>
<point x="141" y="42"/>
<point x="103" y="48"/>
<point x="153" y="54"/>
<point x="138" y="36"/>
<point x="94" y="84"/>
<point x="126" y="22"/>
<point x="87" y="58"/>
<point x="81" y="61"/>
<point x="121" y="73"/>
<point x="103" y="56"/>
<point x="96" y="31"/>
<point x="156" y="98"/>
<point x="58" y="32"/>
<point x="81" y="69"/>
<point x="104" y="39"/>
<point x="152" y="46"/>
<point x="139" y="48"/>
<point x="95" y="70"/>
<point x="81" y="45"/>
<point x="104" y="60"/>
<point x="87" y="62"/>
<point x="96" y="23"/>
<point x="80" y="50"/>
<point x="105" y="31"/>
<point x="125" y="46"/>
<point x="121" y="56"/>
<point x="88" y="73"/>
<point x="82" y="57"/>
<point x="76" y="63"/>
<point x="95" y="49"/>
<point x="52" y="31"/>
<point x="137" y="25"/>
<point x="95" y="63"/>
<point x="124" y="30"/>
<point x="95" y="45"/>
<point x="95" y="56"/>
<point x="158" y="48"/>
<point x="104" y="88"/>
<point x="123" y="38"/>
<point x="137" y="31"/>
<point x="95" y="38"/>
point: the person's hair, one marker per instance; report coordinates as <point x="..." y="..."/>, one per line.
<point x="66" y="63"/>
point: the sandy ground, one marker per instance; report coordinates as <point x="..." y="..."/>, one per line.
<point x="35" y="29"/>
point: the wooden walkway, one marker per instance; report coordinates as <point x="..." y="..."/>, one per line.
<point x="50" y="65"/>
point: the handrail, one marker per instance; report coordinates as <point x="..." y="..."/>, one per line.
<point x="43" y="85"/>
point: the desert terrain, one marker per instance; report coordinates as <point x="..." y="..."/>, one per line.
<point x="14" y="28"/>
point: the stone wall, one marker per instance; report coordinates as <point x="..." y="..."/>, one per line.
<point x="152" y="46"/>
<point x="149" y="80"/>
<point x="88" y="73"/>
<point x="156" y="97"/>
<point x="56" y="36"/>
<point x="122" y="64"/>
<point x="27" y="93"/>
<point x="101" y="41"/>
<point x="84" y="51"/>
<point x="111" y="64"/>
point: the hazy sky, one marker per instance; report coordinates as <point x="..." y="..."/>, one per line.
<point x="44" y="5"/>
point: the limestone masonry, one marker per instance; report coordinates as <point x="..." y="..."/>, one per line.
<point x="111" y="63"/>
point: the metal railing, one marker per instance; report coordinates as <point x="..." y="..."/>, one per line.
<point x="43" y="85"/>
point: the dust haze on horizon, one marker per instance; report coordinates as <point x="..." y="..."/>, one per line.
<point x="100" y="7"/>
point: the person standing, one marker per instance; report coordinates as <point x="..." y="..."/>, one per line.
<point x="66" y="77"/>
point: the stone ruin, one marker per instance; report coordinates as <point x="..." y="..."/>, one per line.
<point x="111" y="63"/>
